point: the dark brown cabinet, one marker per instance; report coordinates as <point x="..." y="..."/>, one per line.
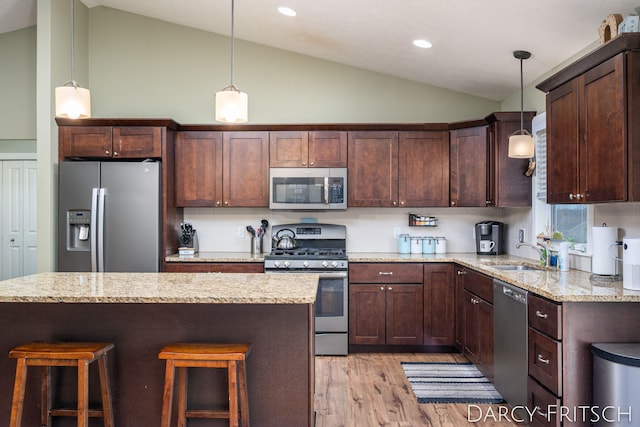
<point x="222" y="169"/>
<point x="315" y="149"/>
<point x="199" y="169"/>
<point x="439" y="304"/>
<point x="405" y="169"/>
<point x="469" y="172"/>
<point x="385" y="304"/>
<point x="586" y="137"/>
<point x="475" y="332"/>
<point x="124" y="142"/>
<point x="482" y="174"/>
<point x="214" y="267"/>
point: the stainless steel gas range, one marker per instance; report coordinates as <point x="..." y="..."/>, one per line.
<point x="321" y="249"/>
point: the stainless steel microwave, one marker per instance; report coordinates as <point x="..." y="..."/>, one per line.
<point x="308" y="188"/>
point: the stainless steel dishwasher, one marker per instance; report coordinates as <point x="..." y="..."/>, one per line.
<point x="510" y="342"/>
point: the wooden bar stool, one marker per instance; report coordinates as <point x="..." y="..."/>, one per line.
<point x="48" y="355"/>
<point x="202" y="355"/>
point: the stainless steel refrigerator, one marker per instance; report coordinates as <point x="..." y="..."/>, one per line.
<point x="109" y="216"/>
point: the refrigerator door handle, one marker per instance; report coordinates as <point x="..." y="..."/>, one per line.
<point x="101" y="196"/>
<point x="94" y="230"/>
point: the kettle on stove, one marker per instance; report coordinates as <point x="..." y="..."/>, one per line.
<point x="286" y="241"/>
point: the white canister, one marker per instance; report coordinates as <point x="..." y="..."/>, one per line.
<point x="416" y="245"/>
<point x="631" y="263"/>
<point x="441" y="245"/>
<point x="563" y="256"/>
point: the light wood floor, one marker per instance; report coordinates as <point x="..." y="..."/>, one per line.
<point x="368" y="390"/>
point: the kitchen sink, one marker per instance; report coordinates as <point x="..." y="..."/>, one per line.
<point x="514" y="267"/>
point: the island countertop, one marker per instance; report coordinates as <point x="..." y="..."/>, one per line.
<point x="159" y="288"/>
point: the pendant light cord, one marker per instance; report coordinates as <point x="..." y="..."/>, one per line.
<point x="73" y="50"/>
<point x="521" y="97"/>
<point x="232" y="42"/>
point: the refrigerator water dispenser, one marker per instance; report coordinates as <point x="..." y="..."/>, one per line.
<point x="78" y="222"/>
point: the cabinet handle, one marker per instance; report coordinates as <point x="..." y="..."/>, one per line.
<point x="304" y="163"/>
<point x="488" y="202"/>
<point x="541" y="315"/>
<point x="572" y="196"/>
<point x="115" y="154"/>
<point x="453" y="203"/>
<point x="385" y="273"/>
<point x="474" y="301"/>
<point x="217" y="202"/>
<point x="460" y="272"/>
<point x="226" y="203"/>
<point x="389" y="288"/>
<point x="401" y="203"/>
<point x="543" y="360"/>
<point x="107" y="152"/>
<point x="311" y="163"/>
<point x="394" y="203"/>
<point x="382" y="288"/>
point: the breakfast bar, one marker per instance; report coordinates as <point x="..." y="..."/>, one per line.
<point x="142" y="312"/>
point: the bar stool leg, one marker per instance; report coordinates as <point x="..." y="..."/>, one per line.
<point x="45" y="396"/>
<point x="18" y="393"/>
<point x="244" y="395"/>
<point x="105" y="389"/>
<point x="182" y="396"/>
<point x="167" y="397"/>
<point x="233" y="393"/>
<point x="83" y="393"/>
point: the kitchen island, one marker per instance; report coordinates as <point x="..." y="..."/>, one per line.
<point x="142" y="312"/>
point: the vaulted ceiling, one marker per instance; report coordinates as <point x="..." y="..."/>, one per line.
<point x="473" y="40"/>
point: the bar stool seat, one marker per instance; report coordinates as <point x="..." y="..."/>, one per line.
<point x="181" y="356"/>
<point x="47" y="355"/>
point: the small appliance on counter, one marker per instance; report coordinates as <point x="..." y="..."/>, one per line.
<point x="631" y="263"/>
<point x="490" y="238"/>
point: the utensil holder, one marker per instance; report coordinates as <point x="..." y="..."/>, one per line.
<point x="256" y="245"/>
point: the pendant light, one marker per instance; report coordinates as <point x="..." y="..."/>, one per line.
<point x="72" y="101"/>
<point x="521" y="144"/>
<point x="231" y="104"/>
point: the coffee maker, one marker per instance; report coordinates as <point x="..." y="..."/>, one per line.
<point x="489" y="238"/>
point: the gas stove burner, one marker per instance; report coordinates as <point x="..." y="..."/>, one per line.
<point x="305" y="252"/>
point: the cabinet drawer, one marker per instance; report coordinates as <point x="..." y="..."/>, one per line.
<point x="545" y="361"/>
<point x="385" y="273"/>
<point x="543" y="399"/>
<point x="208" y="267"/>
<point x="545" y="316"/>
<point x="479" y="284"/>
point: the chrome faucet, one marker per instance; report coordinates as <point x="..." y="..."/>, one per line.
<point x="543" y="256"/>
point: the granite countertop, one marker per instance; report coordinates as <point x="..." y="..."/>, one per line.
<point x="571" y="286"/>
<point x="560" y="286"/>
<point x="168" y="288"/>
<point x="216" y="257"/>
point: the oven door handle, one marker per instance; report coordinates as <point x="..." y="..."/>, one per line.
<point x="333" y="275"/>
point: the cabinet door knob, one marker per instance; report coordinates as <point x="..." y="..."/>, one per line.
<point x="394" y="203"/>
<point x="389" y="288"/>
<point x="311" y="163"/>
<point x="115" y="154"/>
<point x="226" y="203"/>
<point x="107" y="152"/>
<point x="382" y="288"/>
<point x="460" y="272"/>
<point x="541" y="315"/>
<point x="543" y="360"/>
<point x="571" y="196"/>
<point x="385" y="273"/>
<point x="488" y="202"/>
<point x="402" y="203"/>
<point x="304" y="163"/>
<point x="453" y="203"/>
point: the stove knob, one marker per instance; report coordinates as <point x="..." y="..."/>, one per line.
<point x="276" y="264"/>
<point x="305" y="264"/>
<point x="325" y="264"/>
<point x="287" y="264"/>
<point x="334" y="264"/>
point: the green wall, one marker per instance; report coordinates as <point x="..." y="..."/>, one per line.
<point x="143" y="67"/>
<point x="18" y="89"/>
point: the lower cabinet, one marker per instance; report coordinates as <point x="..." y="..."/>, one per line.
<point x="474" y="318"/>
<point x="439" y="304"/>
<point x="214" y="267"/>
<point x="385" y="303"/>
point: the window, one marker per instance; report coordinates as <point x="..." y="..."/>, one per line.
<point x="571" y="221"/>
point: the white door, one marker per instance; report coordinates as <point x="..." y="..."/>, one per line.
<point x="18" y="251"/>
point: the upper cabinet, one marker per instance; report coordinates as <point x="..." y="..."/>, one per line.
<point x="482" y="174"/>
<point x="123" y="142"/>
<point x="314" y="149"/>
<point x="593" y="140"/>
<point x="222" y="169"/>
<point x="405" y="169"/>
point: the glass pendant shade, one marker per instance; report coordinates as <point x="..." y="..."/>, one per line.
<point x="521" y="146"/>
<point x="232" y="106"/>
<point x="73" y="102"/>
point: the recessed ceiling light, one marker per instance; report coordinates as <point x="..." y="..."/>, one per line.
<point x="422" y="43"/>
<point x="287" y="11"/>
